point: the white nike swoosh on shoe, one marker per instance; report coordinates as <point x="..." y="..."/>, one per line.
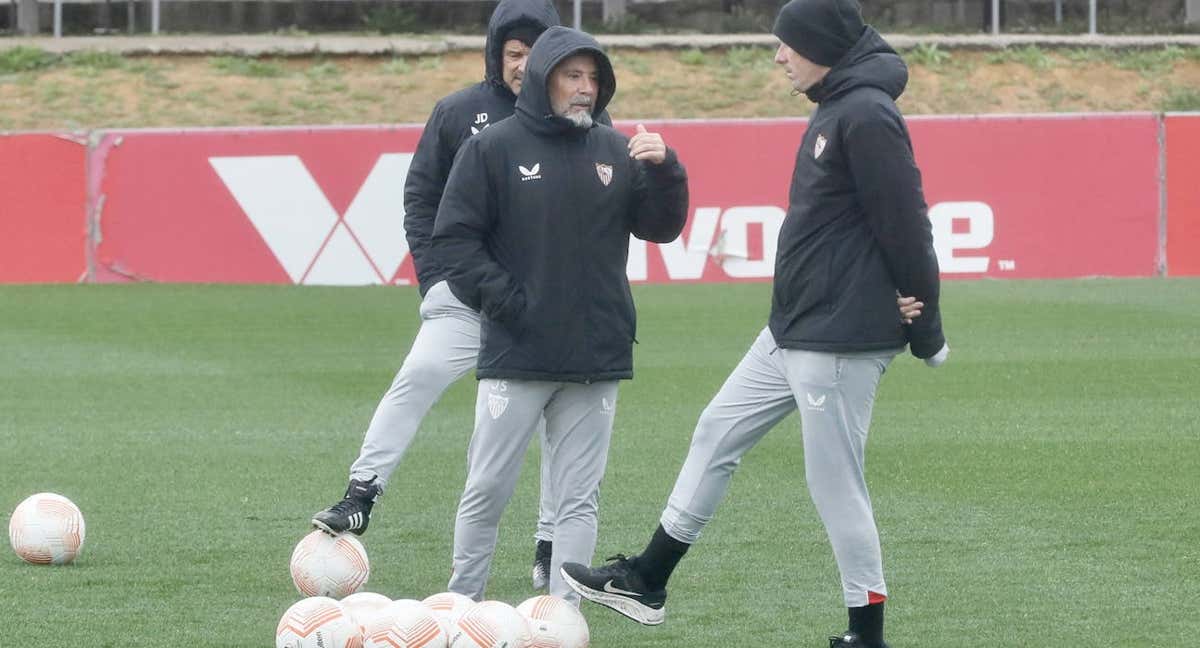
<point x="608" y="587"/>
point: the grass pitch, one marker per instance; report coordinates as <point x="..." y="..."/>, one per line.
<point x="1040" y="489"/>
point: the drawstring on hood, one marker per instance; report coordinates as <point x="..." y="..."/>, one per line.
<point x="519" y="19"/>
<point x="556" y="45"/>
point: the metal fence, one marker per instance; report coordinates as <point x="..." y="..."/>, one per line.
<point x="708" y="16"/>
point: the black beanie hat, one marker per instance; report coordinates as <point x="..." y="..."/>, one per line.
<point x="525" y="33"/>
<point x="821" y="31"/>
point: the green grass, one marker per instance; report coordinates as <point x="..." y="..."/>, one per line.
<point x="247" y="67"/>
<point x="1040" y="489"/>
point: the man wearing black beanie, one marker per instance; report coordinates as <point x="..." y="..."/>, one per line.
<point x="856" y="235"/>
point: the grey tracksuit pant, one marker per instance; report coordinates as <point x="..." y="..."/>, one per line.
<point x="835" y="394"/>
<point x="579" y="420"/>
<point x="445" y="349"/>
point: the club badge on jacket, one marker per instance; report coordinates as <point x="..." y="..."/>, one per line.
<point x="605" y="171"/>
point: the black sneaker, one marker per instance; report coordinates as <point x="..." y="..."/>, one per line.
<point x="619" y="587"/>
<point x="351" y="514"/>
<point x="850" y="640"/>
<point x="541" y="565"/>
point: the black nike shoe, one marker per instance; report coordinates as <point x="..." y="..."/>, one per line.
<point x="351" y="514"/>
<point x="850" y="640"/>
<point x="541" y="565"/>
<point x="619" y="587"/>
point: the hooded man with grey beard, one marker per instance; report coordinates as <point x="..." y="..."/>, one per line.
<point x="534" y="228"/>
<point x="447" y="343"/>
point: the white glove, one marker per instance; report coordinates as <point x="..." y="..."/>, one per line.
<point x="939" y="358"/>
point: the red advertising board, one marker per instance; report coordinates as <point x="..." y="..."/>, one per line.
<point x="1009" y="197"/>
<point x="43" y="208"/>
<point x="1067" y="196"/>
<point x="318" y="206"/>
<point x="1183" y="195"/>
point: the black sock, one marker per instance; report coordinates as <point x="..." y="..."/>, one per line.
<point x="544" y="547"/>
<point x="867" y="623"/>
<point x="656" y="563"/>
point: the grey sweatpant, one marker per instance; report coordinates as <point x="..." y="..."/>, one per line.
<point x="579" y="420"/>
<point x="835" y="394"/>
<point x="445" y="349"/>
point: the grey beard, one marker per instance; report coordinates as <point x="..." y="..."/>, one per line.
<point x="580" y="119"/>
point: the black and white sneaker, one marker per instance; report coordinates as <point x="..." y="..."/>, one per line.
<point x="619" y="587"/>
<point x="541" y="565"/>
<point x="850" y="640"/>
<point x="351" y="514"/>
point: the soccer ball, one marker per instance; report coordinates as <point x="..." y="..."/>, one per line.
<point x="317" y="622"/>
<point x="324" y="565"/>
<point x="404" y="624"/>
<point x="491" y="624"/>
<point x="448" y="608"/>
<point x="364" y="605"/>
<point x="554" y="623"/>
<point x="46" y="529"/>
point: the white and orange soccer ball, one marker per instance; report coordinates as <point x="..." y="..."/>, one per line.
<point x="324" y="565"/>
<point x="448" y="608"/>
<point x="317" y="622"/>
<point x="46" y="529"/>
<point x="491" y="624"/>
<point x="362" y="606"/>
<point x="554" y="623"/>
<point x="404" y="624"/>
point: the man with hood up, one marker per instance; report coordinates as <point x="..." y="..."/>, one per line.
<point x="856" y="235"/>
<point x="448" y="342"/>
<point x="534" y="229"/>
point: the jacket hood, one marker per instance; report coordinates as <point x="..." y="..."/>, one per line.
<point x="871" y="63"/>
<point x="556" y="45"/>
<point x="509" y="14"/>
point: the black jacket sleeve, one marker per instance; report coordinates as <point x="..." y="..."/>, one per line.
<point x="427" y="175"/>
<point x="465" y="217"/>
<point x="660" y="196"/>
<point x="888" y="184"/>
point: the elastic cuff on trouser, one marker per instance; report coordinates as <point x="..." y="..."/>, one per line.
<point x="682" y="526"/>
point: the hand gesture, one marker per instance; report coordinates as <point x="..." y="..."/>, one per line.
<point x="910" y="308"/>
<point x="647" y="146"/>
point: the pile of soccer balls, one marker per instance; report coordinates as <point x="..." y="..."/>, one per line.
<point x="326" y="568"/>
<point x="48" y="529"/>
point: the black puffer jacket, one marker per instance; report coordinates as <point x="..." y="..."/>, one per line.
<point x="535" y="224"/>
<point x="856" y="231"/>
<point x="454" y="119"/>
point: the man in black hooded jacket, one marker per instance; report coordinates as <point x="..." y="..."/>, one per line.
<point x="856" y="235"/>
<point x="534" y="228"/>
<point x="446" y="346"/>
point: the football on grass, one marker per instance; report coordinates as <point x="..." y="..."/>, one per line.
<point x="46" y="529"/>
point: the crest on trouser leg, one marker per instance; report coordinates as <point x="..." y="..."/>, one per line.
<point x="497" y="405"/>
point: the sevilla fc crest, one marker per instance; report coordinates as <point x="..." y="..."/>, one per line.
<point x="497" y="405"/>
<point x="605" y="172"/>
<point x="820" y="147"/>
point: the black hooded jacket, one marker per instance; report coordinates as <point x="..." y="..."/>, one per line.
<point x="454" y="119"/>
<point x="534" y="227"/>
<point x="856" y="230"/>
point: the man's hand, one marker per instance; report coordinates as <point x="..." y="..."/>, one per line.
<point x="939" y="358"/>
<point x="647" y="146"/>
<point x="910" y="308"/>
